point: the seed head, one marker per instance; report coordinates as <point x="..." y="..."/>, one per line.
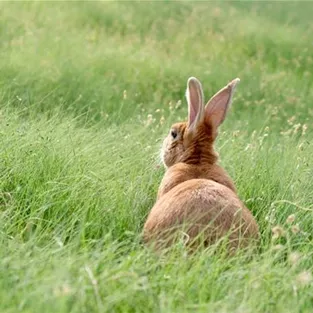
<point x="277" y="232"/>
<point x="295" y="229"/>
<point x="294" y="258"/>
<point x="304" y="129"/>
<point x="125" y="94"/>
<point x="290" y="219"/>
<point x="304" y="278"/>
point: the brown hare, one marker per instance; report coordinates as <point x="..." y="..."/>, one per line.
<point x="196" y="197"/>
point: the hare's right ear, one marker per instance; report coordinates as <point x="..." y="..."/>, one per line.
<point x="218" y="105"/>
<point x="195" y="99"/>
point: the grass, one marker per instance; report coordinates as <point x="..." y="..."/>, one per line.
<point x="87" y="91"/>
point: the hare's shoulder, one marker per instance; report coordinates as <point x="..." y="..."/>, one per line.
<point x="202" y="187"/>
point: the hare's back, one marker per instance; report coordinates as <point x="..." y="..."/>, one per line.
<point x="193" y="197"/>
<point x="201" y="204"/>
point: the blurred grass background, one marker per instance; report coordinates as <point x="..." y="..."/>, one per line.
<point x="87" y="91"/>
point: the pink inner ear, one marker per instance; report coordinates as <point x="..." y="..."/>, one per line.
<point x="218" y="105"/>
<point x="193" y="110"/>
<point x="195" y="101"/>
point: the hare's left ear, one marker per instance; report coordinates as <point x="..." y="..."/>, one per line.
<point x="218" y="105"/>
<point x="195" y="99"/>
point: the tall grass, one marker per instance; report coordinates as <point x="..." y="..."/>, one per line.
<point x="87" y="91"/>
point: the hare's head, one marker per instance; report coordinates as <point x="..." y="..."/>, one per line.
<point x="192" y="141"/>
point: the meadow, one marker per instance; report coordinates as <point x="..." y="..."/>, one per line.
<point x="88" y="90"/>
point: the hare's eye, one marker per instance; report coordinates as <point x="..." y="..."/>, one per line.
<point x="173" y="133"/>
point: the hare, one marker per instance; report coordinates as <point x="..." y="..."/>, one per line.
<point x="196" y="196"/>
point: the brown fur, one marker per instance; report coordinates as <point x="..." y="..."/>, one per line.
<point x="196" y="195"/>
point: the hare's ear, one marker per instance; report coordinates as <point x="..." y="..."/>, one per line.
<point x="194" y="95"/>
<point x="216" y="108"/>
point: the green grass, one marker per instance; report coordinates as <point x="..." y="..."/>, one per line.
<point x="87" y="92"/>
